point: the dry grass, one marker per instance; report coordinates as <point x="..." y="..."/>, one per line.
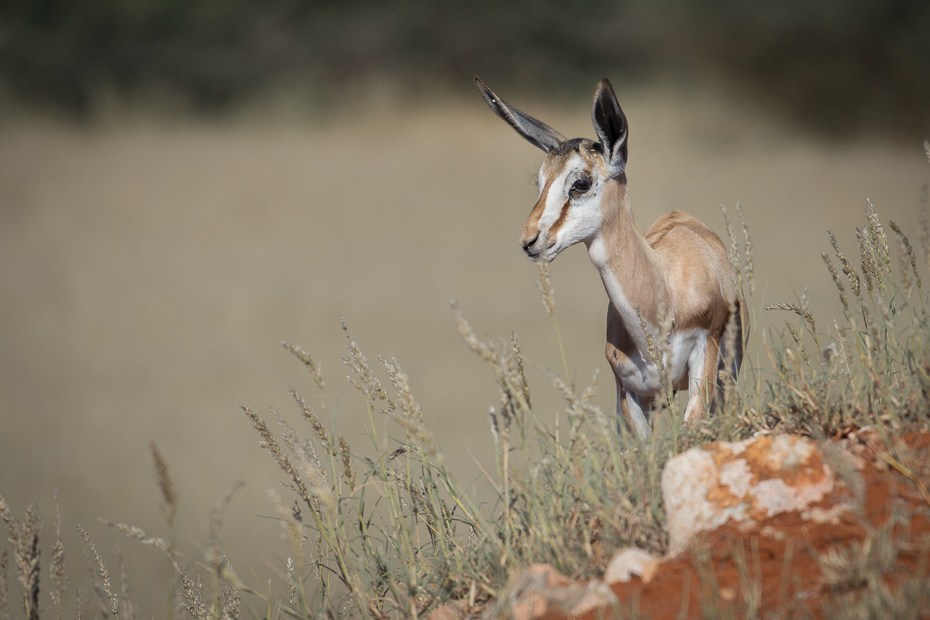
<point x="169" y="496"/>
<point x="381" y="526"/>
<point x="24" y="540"/>
<point x="406" y="552"/>
<point x="57" y="565"/>
<point x="858" y="577"/>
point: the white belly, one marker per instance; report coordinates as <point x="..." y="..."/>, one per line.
<point x="685" y="350"/>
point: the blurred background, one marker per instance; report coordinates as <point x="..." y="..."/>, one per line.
<point x="843" y="68"/>
<point x="185" y="184"/>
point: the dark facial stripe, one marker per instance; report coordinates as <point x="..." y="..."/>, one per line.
<point x="562" y="217"/>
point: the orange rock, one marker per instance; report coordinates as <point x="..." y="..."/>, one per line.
<point x="542" y="593"/>
<point x="749" y="480"/>
<point x="629" y="562"/>
<point x="449" y="611"/>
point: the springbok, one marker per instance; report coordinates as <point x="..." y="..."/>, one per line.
<point x="677" y="273"/>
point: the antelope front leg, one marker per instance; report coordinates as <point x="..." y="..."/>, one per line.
<point x="632" y="409"/>
<point x="702" y="378"/>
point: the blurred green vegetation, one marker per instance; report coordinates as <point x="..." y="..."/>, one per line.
<point x="840" y="67"/>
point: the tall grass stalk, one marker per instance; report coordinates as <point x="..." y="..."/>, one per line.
<point x="548" y="299"/>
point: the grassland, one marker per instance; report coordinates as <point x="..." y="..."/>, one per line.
<point x="151" y="269"/>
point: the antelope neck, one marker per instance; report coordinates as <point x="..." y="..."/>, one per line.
<point x="630" y="269"/>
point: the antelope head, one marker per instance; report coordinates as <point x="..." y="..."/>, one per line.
<point x="577" y="176"/>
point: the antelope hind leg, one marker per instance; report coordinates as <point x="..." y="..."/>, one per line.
<point x="702" y="378"/>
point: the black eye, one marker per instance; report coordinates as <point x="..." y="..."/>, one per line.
<point x="580" y="186"/>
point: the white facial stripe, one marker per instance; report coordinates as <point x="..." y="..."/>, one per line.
<point x="554" y="200"/>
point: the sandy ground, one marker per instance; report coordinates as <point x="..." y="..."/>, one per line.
<point x="149" y="270"/>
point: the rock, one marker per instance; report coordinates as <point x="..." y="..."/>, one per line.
<point x="596" y="595"/>
<point x="752" y="483"/>
<point x="540" y="592"/>
<point x="449" y="611"/>
<point x="745" y="481"/>
<point x="628" y="562"/>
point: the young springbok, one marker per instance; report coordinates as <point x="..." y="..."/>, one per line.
<point x="676" y="274"/>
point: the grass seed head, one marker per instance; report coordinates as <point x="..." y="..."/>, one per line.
<point x="877" y="233"/>
<point x="482" y="349"/>
<point x="270" y="443"/>
<point x="345" y="454"/>
<point x="291" y="583"/>
<point x="321" y="498"/>
<point x="545" y="287"/>
<point x="733" y="250"/>
<point x="57" y="573"/>
<point x="138" y="534"/>
<point x="797" y="339"/>
<point x="24" y="537"/>
<point x="749" y="268"/>
<point x="316" y="373"/>
<point x="364" y="379"/>
<point x="409" y="416"/>
<point x="191" y="596"/>
<point x="5" y="613"/>
<point x="655" y="356"/>
<point x="169" y="496"/>
<point x="924" y="219"/>
<point x="906" y="256"/>
<point x="803" y="313"/>
<point x="847" y="267"/>
<point x="869" y="268"/>
<point x="520" y="372"/>
<point x="836" y="281"/>
<point x="310" y="416"/>
<point x="101" y="576"/>
<point x="230" y="603"/>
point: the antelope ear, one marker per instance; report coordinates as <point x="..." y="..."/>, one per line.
<point x="610" y="125"/>
<point x="538" y="133"/>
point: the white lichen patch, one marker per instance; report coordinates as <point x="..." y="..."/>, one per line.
<point x="744" y="481"/>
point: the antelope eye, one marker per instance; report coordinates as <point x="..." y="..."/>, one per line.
<point x="581" y="186"/>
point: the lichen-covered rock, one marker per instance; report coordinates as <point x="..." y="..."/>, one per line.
<point x="542" y="593"/>
<point x="745" y="481"/>
<point x="628" y="562"/>
<point x="449" y="611"/>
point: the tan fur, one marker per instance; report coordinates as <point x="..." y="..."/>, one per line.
<point x="676" y="276"/>
<point x="680" y="259"/>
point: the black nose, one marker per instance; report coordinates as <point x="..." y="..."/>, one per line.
<point x="526" y="246"/>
